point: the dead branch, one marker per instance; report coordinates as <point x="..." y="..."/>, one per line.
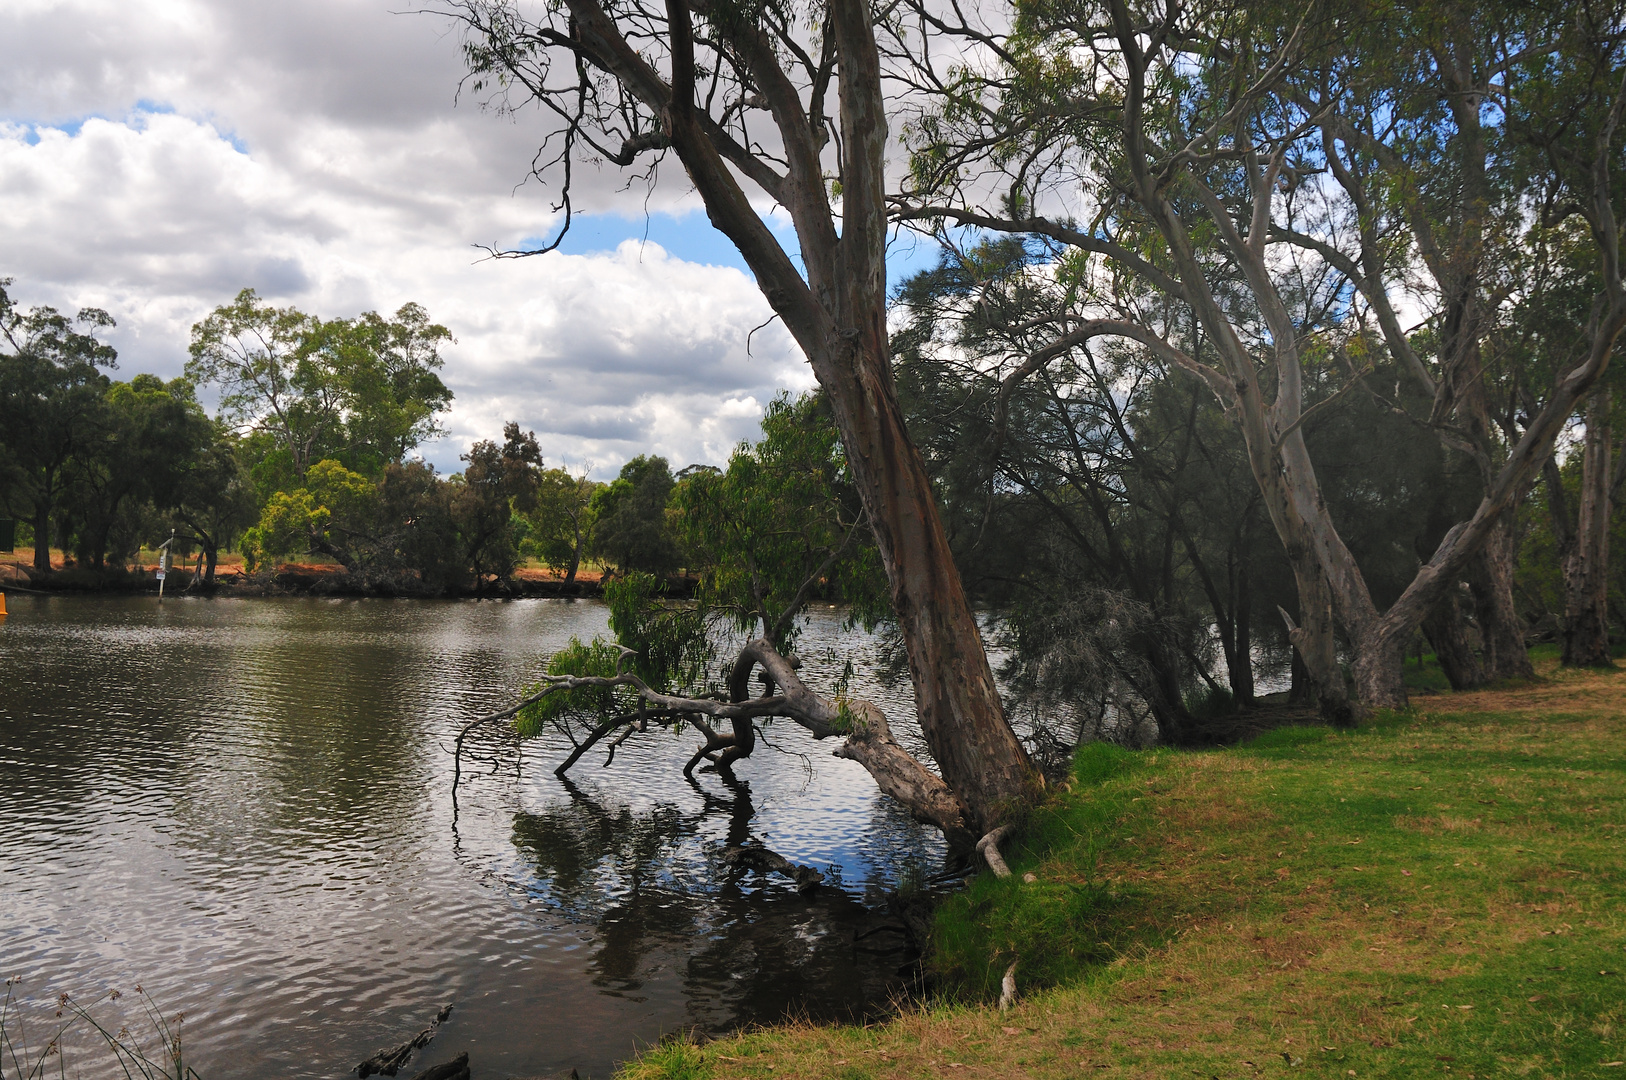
<point x="988" y="848"/>
<point x="868" y="739"/>
<point x="1007" y="988"/>
<point x="389" y="1062"/>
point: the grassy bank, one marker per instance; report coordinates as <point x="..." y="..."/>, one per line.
<point x="1438" y="893"/>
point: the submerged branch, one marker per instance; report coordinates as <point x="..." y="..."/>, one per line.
<point x="868" y="739"/>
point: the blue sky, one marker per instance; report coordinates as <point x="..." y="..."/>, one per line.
<point x="690" y="236"/>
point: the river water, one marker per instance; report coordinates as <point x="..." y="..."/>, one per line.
<point x="244" y="806"/>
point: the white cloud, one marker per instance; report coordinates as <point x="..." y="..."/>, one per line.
<point x="157" y="157"/>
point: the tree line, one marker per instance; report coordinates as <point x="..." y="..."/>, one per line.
<point x="309" y="453"/>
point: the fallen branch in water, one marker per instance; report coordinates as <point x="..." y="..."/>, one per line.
<point x="764" y="861"/>
<point x="389" y="1062"/>
<point x="868" y="738"/>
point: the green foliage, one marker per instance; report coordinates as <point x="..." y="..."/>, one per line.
<point x="329" y="515"/>
<point x="779" y="528"/>
<point x="286" y="525"/>
<point x="558" y="529"/>
<point x="497" y="481"/>
<point x="671" y="652"/>
<point x="597" y="658"/>
<point x="670" y="637"/>
<point x="678" y="1059"/>
<point x="362" y="391"/>
<point x="782" y="526"/>
<point x="630" y="527"/>
<point x="52" y="397"/>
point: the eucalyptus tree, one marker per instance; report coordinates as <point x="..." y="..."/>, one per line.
<point x="148" y="435"/>
<point x="559" y="529"/>
<point x="52" y="404"/>
<point x="498" y="479"/>
<point x="629" y="518"/>
<point x="1183" y="150"/>
<point x="745" y="104"/>
<point x="212" y="497"/>
<point x="364" y="391"/>
<point x="1548" y="321"/>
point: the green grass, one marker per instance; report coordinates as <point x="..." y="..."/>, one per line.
<point x="1436" y="893"/>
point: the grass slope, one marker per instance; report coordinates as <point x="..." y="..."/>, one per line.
<point x="1435" y="894"/>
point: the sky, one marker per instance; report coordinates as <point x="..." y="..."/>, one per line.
<point x="157" y="157"/>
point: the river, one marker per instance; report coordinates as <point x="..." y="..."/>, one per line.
<point x="244" y="806"/>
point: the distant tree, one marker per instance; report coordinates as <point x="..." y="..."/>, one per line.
<point x="148" y="435"/>
<point x="393" y="396"/>
<point x="213" y="497"/>
<point x="417" y="529"/>
<point x="630" y="527"/>
<point x="332" y="514"/>
<point x="51" y="404"/>
<point x="363" y="391"/>
<point x="498" y="479"/>
<point x="257" y="355"/>
<point x="559" y="528"/>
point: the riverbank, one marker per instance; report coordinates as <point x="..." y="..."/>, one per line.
<point x="298" y="579"/>
<point x="1436" y="892"/>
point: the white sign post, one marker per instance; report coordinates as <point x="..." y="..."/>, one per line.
<point x="163" y="563"/>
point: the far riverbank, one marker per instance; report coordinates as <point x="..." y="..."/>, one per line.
<point x="296" y="579"/>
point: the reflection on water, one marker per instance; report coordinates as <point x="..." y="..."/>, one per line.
<point x="745" y="948"/>
<point x="244" y="805"/>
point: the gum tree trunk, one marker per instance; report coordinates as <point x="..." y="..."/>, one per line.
<point x="1586" y="568"/>
<point x="837" y="314"/>
<point x="1490" y="577"/>
<point x="1448" y="632"/>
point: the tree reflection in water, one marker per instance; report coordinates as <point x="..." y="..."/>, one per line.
<point x="745" y="947"/>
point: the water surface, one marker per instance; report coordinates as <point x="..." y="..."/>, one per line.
<point x="244" y="806"/>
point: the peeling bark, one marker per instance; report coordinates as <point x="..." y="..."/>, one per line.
<point x="838" y="317"/>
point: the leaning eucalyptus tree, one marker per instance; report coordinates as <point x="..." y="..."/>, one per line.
<point x="1183" y="150"/>
<point x="742" y="94"/>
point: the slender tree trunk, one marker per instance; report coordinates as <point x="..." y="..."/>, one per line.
<point x="64" y="535"/>
<point x="1241" y="669"/>
<point x="1168" y="705"/>
<point x="1314" y="639"/>
<point x="1299" y="689"/>
<point x="837" y="314"/>
<point x="575" y="559"/>
<point x="1448" y="632"/>
<point x="1490" y="576"/>
<point x="42" y="536"/>
<point x="1586" y="570"/>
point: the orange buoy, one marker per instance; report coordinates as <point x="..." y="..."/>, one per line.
<point x="2" y="605"/>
